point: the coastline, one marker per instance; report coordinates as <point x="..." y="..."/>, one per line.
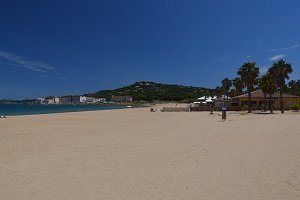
<point x="136" y="154"/>
<point x="38" y="109"/>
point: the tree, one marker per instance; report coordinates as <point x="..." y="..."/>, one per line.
<point x="238" y="85"/>
<point x="226" y="84"/>
<point x="267" y="85"/>
<point x="233" y="92"/>
<point x="212" y="93"/>
<point x="293" y="86"/>
<point x="248" y="73"/>
<point x="280" y="70"/>
<point x="298" y="83"/>
<point x="218" y="92"/>
<point x="263" y="85"/>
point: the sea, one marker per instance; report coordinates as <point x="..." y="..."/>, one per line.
<point x="31" y="109"/>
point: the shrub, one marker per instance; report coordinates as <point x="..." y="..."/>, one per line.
<point x="295" y="107"/>
<point x="244" y="107"/>
<point x="262" y="107"/>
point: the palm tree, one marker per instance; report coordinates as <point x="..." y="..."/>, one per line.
<point x="233" y="92"/>
<point x="212" y="92"/>
<point x="248" y="73"/>
<point x="280" y="70"/>
<point x="226" y="84"/>
<point x="271" y="89"/>
<point x="293" y="86"/>
<point x="298" y="83"/>
<point x="263" y="85"/>
<point x="238" y="85"/>
<point x="218" y="92"/>
<point x="267" y="85"/>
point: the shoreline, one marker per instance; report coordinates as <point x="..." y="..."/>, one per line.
<point x="241" y="113"/>
<point x="57" y="109"/>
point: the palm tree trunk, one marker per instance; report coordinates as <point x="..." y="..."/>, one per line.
<point x="271" y="104"/>
<point x="227" y="99"/>
<point x="249" y="102"/>
<point x="281" y="101"/>
<point x="265" y="103"/>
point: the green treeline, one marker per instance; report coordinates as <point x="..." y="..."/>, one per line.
<point x="150" y="91"/>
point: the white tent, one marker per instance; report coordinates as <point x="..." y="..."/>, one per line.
<point x="209" y="99"/>
<point x="202" y="98"/>
<point x="224" y="97"/>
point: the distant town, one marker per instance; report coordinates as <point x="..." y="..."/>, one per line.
<point x="82" y="100"/>
<point x="73" y="99"/>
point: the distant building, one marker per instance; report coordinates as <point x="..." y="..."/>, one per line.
<point x="121" y="98"/>
<point x="83" y="99"/>
<point x="56" y="100"/>
<point x="49" y="100"/>
<point x="76" y="99"/>
<point x="100" y="100"/>
<point x="65" y="99"/>
<point x="90" y="99"/>
<point x="40" y="101"/>
<point x="70" y="99"/>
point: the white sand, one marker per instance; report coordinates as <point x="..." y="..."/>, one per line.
<point x="134" y="154"/>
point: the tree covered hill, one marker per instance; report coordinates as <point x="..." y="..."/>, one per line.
<point x="149" y="91"/>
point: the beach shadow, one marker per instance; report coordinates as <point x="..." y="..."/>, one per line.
<point x="263" y="113"/>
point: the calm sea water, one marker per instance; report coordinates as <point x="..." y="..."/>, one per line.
<point x="26" y="109"/>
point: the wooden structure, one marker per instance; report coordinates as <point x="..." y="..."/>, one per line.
<point x="257" y="99"/>
<point x="175" y="109"/>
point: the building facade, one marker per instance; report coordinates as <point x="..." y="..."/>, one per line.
<point x="258" y="100"/>
<point x="121" y="98"/>
<point x="70" y="99"/>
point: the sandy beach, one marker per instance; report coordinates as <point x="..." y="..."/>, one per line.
<point x="135" y="154"/>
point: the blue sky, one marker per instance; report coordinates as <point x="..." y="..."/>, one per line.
<point x="56" y="47"/>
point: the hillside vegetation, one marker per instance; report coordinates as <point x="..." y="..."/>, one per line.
<point x="149" y="91"/>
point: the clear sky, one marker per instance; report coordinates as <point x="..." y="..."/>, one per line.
<point x="54" y="47"/>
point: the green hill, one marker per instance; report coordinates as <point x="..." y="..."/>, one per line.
<point x="149" y="91"/>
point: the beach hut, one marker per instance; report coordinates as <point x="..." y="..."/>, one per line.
<point x="257" y="99"/>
